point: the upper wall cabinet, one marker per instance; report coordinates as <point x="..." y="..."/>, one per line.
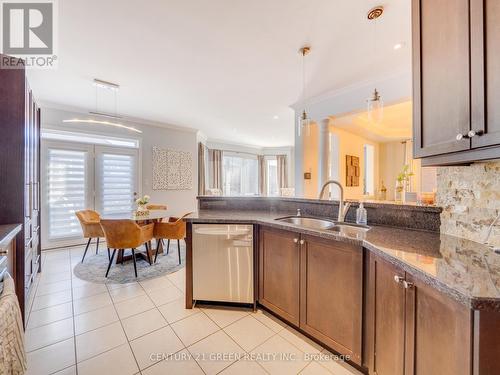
<point x="456" y="80"/>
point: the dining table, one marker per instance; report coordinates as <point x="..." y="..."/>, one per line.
<point x="151" y="217"/>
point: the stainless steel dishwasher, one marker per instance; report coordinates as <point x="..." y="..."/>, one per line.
<point x="223" y="263"/>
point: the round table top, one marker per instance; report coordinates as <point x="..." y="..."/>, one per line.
<point x="153" y="215"/>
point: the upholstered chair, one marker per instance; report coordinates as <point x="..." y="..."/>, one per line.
<point x="174" y="229"/>
<point x="91" y="227"/>
<point x="127" y="234"/>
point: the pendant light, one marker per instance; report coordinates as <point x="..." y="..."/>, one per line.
<point x="304" y="121"/>
<point x="109" y="87"/>
<point x="375" y="104"/>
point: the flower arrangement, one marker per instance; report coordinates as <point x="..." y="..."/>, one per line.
<point x="143" y="201"/>
<point x="141" y="206"/>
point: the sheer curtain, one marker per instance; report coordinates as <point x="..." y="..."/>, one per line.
<point x="215" y="169"/>
<point x="282" y="171"/>
<point x="201" y="169"/>
<point x="262" y="175"/>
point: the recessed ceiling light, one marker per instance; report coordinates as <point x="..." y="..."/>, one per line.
<point x="276" y="117"/>
<point x="398" y="46"/>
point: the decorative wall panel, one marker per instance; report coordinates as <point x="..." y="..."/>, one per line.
<point x="172" y="170"/>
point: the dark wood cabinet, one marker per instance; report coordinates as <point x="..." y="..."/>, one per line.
<point x="385" y="318"/>
<point x="331" y="288"/>
<point x="438" y="332"/>
<point x="412" y="328"/>
<point x="441" y="76"/>
<point x="316" y="285"/>
<point x="456" y="80"/>
<point x="279" y="272"/>
<point x="19" y="171"/>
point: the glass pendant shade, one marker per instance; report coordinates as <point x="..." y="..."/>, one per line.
<point x="304" y="125"/>
<point x="375" y="108"/>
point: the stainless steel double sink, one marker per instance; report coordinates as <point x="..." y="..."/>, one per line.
<point x="323" y="224"/>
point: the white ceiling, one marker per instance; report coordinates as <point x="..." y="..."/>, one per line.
<point x="226" y="67"/>
<point x="396" y="124"/>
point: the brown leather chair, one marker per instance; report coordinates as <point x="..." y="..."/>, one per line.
<point x="174" y="229"/>
<point x="91" y="227"/>
<point x="127" y="234"/>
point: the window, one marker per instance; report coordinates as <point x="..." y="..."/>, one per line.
<point x="66" y="189"/>
<point x="240" y="175"/>
<point x="272" y="177"/>
<point x="369" y="170"/>
<point x="77" y="176"/>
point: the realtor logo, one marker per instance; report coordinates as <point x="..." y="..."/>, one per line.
<point x="28" y="31"/>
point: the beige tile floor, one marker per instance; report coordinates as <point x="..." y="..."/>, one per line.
<point x="76" y="327"/>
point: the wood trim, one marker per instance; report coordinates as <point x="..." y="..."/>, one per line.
<point x="369" y="312"/>
<point x="409" y="357"/>
<point x="189" y="265"/>
<point x="256" y="271"/>
<point x="478" y="87"/>
<point x="417" y="83"/>
<point x="463" y="158"/>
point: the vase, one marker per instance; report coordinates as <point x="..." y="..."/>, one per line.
<point x="399" y="192"/>
<point x="141" y="210"/>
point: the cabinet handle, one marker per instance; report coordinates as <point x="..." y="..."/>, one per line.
<point x="4" y="252"/>
<point x="399" y="279"/>
<point x="461" y="136"/>
<point x="407" y="284"/>
<point x="302" y="242"/>
<point x="473" y="133"/>
<point x="295" y="240"/>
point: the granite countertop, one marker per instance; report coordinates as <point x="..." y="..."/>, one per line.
<point x="8" y="232"/>
<point x="467" y="271"/>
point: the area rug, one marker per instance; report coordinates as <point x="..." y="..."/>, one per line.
<point x="93" y="269"/>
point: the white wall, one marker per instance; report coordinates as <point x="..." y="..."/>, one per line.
<point x="352" y="144"/>
<point x="163" y="136"/>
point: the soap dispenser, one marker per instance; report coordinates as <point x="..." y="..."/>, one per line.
<point x="361" y="215"/>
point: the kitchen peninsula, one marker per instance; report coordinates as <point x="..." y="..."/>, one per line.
<point x="398" y="297"/>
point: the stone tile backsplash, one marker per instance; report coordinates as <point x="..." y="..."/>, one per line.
<point x="470" y="197"/>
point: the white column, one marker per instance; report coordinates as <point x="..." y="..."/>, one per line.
<point x="298" y="158"/>
<point x="324" y="152"/>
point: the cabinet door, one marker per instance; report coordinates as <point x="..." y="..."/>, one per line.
<point x="485" y="72"/>
<point x="441" y="76"/>
<point x="279" y="261"/>
<point x="331" y="294"/>
<point x="386" y="318"/>
<point x="438" y="332"/>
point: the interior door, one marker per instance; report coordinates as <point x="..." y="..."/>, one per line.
<point x="116" y="179"/>
<point x="67" y="186"/>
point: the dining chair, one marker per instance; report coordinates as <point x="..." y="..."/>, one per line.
<point x="127" y="234"/>
<point x="174" y="229"/>
<point x="90" y="222"/>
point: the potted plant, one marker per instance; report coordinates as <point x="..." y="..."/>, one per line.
<point x="402" y="184"/>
